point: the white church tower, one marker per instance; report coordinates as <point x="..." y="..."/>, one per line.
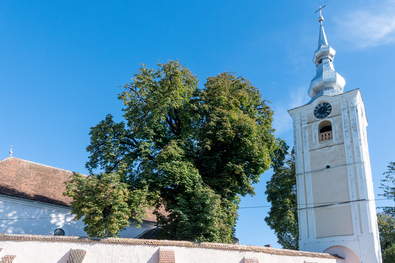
<point x="336" y="207"/>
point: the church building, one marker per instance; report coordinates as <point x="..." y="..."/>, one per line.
<point x="336" y="202"/>
<point x="336" y="207"/>
<point x="32" y="202"/>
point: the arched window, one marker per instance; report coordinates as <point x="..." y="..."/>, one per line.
<point x="58" y="232"/>
<point x="325" y="131"/>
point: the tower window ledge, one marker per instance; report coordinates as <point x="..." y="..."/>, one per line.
<point x="325" y="136"/>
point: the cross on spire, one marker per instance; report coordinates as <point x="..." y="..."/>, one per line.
<point x="320" y="9"/>
<point x="321" y="18"/>
<point x="11" y="151"/>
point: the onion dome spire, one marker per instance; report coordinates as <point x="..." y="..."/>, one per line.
<point x="326" y="81"/>
<point x="322" y="41"/>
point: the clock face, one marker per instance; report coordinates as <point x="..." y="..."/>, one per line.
<point x="322" y="110"/>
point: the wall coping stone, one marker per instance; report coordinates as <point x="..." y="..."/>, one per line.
<point x="167" y="243"/>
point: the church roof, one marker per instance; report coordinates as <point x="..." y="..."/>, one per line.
<point x="34" y="181"/>
<point x="37" y="182"/>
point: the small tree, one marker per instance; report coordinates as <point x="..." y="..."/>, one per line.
<point x="386" y="219"/>
<point x="105" y="203"/>
<point x="388" y="186"/>
<point x="386" y="223"/>
<point x="283" y="215"/>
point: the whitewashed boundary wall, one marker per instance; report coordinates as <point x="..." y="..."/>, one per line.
<point x="66" y="249"/>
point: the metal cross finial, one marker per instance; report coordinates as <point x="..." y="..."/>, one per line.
<point x="321" y="18"/>
<point x="11" y="151"/>
<point x="320" y="9"/>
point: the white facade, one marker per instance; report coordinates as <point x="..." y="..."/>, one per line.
<point x="23" y="216"/>
<point x="334" y="181"/>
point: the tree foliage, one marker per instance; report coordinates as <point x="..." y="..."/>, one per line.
<point x="386" y="218"/>
<point x="104" y="203"/>
<point x="386" y="223"/>
<point x="283" y="214"/>
<point x="192" y="151"/>
<point x="388" y="186"/>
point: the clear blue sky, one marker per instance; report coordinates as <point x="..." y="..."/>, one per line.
<point x="62" y="62"/>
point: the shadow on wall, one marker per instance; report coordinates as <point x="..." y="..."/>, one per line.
<point x="23" y="221"/>
<point x="344" y="252"/>
<point x="25" y="217"/>
<point x="64" y="258"/>
<point x="154" y="258"/>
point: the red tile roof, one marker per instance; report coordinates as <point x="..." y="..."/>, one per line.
<point x="38" y="182"/>
<point x="166" y="256"/>
<point x="29" y="180"/>
<point x="251" y="260"/>
<point x="76" y="256"/>
<point x="7" y="259"/>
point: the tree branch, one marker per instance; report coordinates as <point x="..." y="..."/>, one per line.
<point x="171" y="125"/>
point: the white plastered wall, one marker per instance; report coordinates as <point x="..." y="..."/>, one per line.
<point x="126" y="250"/>
<point x="21" y="216"/>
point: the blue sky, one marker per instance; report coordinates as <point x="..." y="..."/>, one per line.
<point x="62" y="64"/>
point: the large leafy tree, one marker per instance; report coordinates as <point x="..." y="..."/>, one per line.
<point x="190" y="151"/>
<point x="281" y="193"/>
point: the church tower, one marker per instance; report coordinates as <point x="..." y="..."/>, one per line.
<point x="336" y="207"/>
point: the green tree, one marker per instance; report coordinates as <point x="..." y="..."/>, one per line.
<point x="104" y="203"/>
<point x="283" y="214"/>
<point x="386" y="223"/>
<point x="386" y="218"/>
<point x="388" y="186"/>
<point x="192" y="151"/>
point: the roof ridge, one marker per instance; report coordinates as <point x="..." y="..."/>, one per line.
<point x="39" y="164"/>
